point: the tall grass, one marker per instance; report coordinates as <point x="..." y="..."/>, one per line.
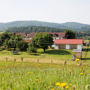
<point x="33" y="76"/>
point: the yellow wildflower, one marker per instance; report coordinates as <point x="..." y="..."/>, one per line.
<point x="77" y="60"/>
<point x="29" y="72"/>
<point x="58" y="84"/>
<point x="70" y="84"/>
<point x="81" y="73"/>
<point x="36" y="80"/>
<point x="66" y="87"/>
<point x="52" y="89"/>
<point x="63" y="84"/>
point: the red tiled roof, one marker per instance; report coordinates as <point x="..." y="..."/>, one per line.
<point x="31" y="34"/>
<point x="57" y="34"/>
<point x="53" y="34"/>
<point x="22" y="34"/>
<point x="27" y="41"/>
<point x="68" y="41"/>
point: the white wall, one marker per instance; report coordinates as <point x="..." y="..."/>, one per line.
<point x="54" y="38"/>
<point x="67" y="46"/>
<point x="80" y="46"/>
<point x="55" y="46"/>
<point x="57" y="38"/>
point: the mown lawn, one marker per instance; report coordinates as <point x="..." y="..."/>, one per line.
<point x="33" y="76"/>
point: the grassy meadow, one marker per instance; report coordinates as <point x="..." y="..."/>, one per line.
<point x="54" y="55"/>
<point x="35" y="76"/>
<point x="50" y="56"/>
<point x="53" y="70"/>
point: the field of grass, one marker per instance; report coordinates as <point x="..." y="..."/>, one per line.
<point x="51" y="56"/>
<point x="60" y="55"/>
<point x="34" y="76"/>
<point x="53" y="70"/>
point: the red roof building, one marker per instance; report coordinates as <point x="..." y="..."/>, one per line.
<point x="55" y="35"/>
<point x="31" y="35"/>
<point x="68" y="44"/>
<point x="27" y="41"/>
<point x="68" y="41"/>
<point x="22" y="34"/>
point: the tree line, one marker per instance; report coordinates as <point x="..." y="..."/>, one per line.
<point x="29" y="29"/>
<point x="11" y="41"/>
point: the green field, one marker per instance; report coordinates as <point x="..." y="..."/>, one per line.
<point x="51" y="56"/>
<point x="44" y="71"/>
<point x="33" y="76"/>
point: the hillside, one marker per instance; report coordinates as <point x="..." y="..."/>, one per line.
<point x="76" y="26"/>
<point x="68" y="25"/>
<point x="28" y="29"/>
<point x="30" y="23"/>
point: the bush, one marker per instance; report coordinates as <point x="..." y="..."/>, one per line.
<point x="31" y="50"/>
<point x="52" y="47"/>
<point x="22" y="45"/>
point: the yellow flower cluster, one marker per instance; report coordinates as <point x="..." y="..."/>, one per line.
<point x="64" y="85"/>
<point x="77" y="60"/>
<point x="36" y="80"/>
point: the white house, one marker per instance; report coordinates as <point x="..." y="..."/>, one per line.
<point x="68" y="44"/>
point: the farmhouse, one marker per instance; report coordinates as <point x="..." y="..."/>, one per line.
<point x="22" y="34"/>
<point x="55" y="35"/>
<point x="68" y="44"/>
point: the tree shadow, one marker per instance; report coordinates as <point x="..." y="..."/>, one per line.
<point x="85" y="58"/>
<point x="86" y="49"/>
<point x="58" y="52"/>
<point x="35" y="54"/>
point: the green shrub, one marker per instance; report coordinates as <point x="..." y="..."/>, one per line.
<point x="31" y="50"/>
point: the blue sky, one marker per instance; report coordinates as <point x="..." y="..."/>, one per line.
<point x="58" y="11"/>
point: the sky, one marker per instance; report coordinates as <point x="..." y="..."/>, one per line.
<point x="58" y="11"/>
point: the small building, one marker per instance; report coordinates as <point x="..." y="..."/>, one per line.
<point x="30" y="35"/>
<point x="68" y="44"/>
<point x="57" y="35"/>
<point x="77" y="53"/>
<point x="22" y="34"/>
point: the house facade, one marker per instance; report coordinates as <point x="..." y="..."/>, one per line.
<point x="57" y="35"/>
<point x="68" y="44"/>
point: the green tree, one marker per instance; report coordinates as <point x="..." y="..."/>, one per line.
<point x="15" y="41"/>
<point x="70" y="34"/>
<point x="31" y="49"/>
<point x="3" y="37"/>
<point x="22" y="45"/>
<point x="42" y="40"/>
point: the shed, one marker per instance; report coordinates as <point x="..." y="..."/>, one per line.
<point x="77" y="53"/>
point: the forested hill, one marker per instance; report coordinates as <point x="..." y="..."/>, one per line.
<point x="69" y="25"/>
<point x="4" y="26"/>
<point x="76" y="26"/>
<point x="29" y="29"/>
